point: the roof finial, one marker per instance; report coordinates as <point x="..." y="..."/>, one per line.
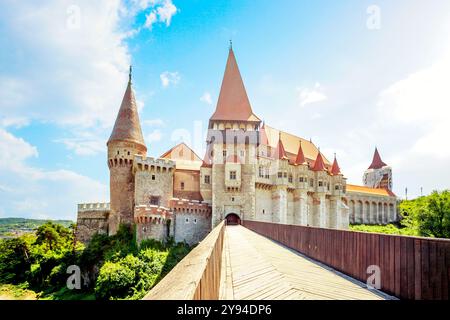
<point x="129" y="74"/>
<point x="335" y="155"/>
<point x="231" y="44"/>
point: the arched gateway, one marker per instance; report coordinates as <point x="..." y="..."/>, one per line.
<point x="233" y="219"/>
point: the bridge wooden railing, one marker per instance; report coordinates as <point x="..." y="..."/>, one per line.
<point x="197" y="276"/>
<point x="411" y="267"/>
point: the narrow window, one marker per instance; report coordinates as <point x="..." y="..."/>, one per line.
<point x="232" y="175"/>
<point x="153" y="177"/>
<point x="195" y="221"/>
<point x="154" y="201"/>
<point x="207" y="179"/>
<point x="290" y="178"/>
<point x="311" y="182"/>
<point x="280" y="174"/>
<point x="224" y="153"/>
<point x="187" y="220"/>
<point x="182" y="185"/>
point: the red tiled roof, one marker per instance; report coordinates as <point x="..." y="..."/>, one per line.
<point x="233" y="103"/>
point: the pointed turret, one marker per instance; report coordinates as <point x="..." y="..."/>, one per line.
<point x="233" y="103"/>
<point x="127" y="126"/>
<point x="280" y="151"/>
<point x="300" y="155"/>
<point x="335" y="170"/>
<point x="377" y="163"/>
<point x="207" y="159"/>
<point x="319" y="165"/>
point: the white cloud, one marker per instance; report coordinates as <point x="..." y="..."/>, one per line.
<point x="16" y="122"/>
<point x="163" y="11"/>
<point x="80" y="58"/>
<point x="422" y="100"/>
<point x="154" y="122"/>
<point x="29" y="191"/>
<point x="169" y="78"/>
<point x="206" y="98"/>
<point x="155" y="135"/>
<point x="310" y="95"/>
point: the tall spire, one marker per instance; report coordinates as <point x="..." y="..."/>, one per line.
<point x="377" y="163"/>
<point x="233" y="103"/>
<point x="319" y="164"/>
<point x="127" y="126"/>
<point x="335" y="170"/>
<point x="129" y="74"/>
<point x="300" y="155"/>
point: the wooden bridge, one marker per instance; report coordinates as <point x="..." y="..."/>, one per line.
<point x="260" y="261"/>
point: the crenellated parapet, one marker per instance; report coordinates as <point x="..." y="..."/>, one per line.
<point x="190" y="206"/>
<point x="96" y="206"/>
<point x="153" y="164"/>
<point x="152" y="214"/>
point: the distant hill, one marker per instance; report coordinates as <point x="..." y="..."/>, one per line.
<point x="14" y="227"/>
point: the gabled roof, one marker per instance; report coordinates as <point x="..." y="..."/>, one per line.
<point x="319" y="165"/>
<point x="368" y="190"/>
<point x="291" y="143"/>
<point x="181" y="152"/>
<point x="185" y="158"/>
<point x="335" y="170"/>
<point x="377" y="163"/>
<point x="127" y="126"/>
<point x="233" y="103"/>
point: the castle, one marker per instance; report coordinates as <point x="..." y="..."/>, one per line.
<point x="250" y="171"/>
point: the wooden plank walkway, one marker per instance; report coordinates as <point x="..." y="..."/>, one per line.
<point x="256" y="268"/>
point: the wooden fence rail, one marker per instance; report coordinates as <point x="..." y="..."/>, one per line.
<point x="197" y="276"/>
<point x="411" y="267"/>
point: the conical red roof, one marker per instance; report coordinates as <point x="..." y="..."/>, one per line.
<point x="281" y="152"/>
<point x="207" y="159"/>
<point x="319" y="164"/>
<point x="335" y="170"/>
<point x="300" y="156"/>
<point x="127" y="126"/>
<point x="377" y="163"/>
<point x="233" y="103"/>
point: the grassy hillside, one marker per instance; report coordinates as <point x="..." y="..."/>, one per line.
<point x="14" y="227"/>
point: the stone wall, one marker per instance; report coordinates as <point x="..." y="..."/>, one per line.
<point x="192" y="220"/>
<point x="92" y="218"/>
<point x="153" y="179"/>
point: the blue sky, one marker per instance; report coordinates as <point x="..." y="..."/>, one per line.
<point x="348" y="74"/>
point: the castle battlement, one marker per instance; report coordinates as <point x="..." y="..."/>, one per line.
<point x="151" y="214"/>
<point x="192" y="206"/>
<point x="154" y="161"/>
<point x="98" y="206"/>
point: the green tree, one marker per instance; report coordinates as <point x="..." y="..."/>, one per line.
<point x="15" y="260"/>
<point x="434" y="218"/>
<point x="48" y="234"/>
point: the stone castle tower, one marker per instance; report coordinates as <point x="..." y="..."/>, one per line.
<point x="125" y="142"/>
<point x="233" y="134"/>
<point x="379" y="174"/>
